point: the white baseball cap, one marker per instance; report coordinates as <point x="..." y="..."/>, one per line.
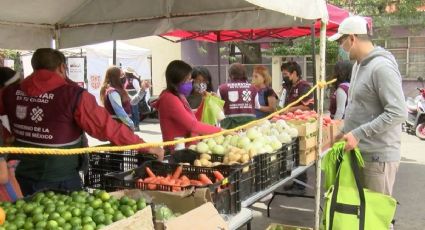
<point x="350" y="25"/>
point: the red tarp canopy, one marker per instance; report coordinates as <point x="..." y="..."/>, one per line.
<point x="336" y="16"/>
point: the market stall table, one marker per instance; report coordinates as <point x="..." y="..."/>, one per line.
<point x="242" y="218"/>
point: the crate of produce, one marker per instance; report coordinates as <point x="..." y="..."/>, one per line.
<point x="225" y="192"/>
<point x="247" y="171"/>
<point x="289" y="159"/>
<point x="100" y="163"/>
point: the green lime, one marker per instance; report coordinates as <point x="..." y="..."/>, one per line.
<point x="37" y="210"/>
<point x="12" y="210"/>
<point x="87" y="219"/>
<point x="109" y="211"/>
<point x="106" y="205"/>
<point x="67" y="226"/>
<point x="141" y="205"/>
<point x="67" y="215"/>
<point x="19" y="222"/>
<point x="52" y="224"/>
<point x="124" y="200"/>
<point x="76" y="212"/>
<point x="90" y="199"/>
<point x="19" y="203"/>
<point x="87" y="213"/>
<point x="61" y="221"/>
<point x="75" y="221"/>
<point x="37" y="217"/>
<point x="83" y="193"/>
<point x="42" y="224"/>
<point x="100" y="226"/>
<point x="54" y="216"/>
<point x="11" y="226"/>
<point x="50" y="209"/>
<point x="118" y="216"/>
<point x="97" y="203"/>
<point x="50" y="194"/>
<point x="88" y="227"/>
<point x="131" y="202"/>
<point x="104" y="196"/>
<point x="21" y="215"/>
<point x="99" y="218"/>
<point x="28" y="208"/>
<point x="28" y="225"/>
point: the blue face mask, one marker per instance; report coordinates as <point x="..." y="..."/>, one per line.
<point x="185" y="88"/>
<point x="344" y="55"/>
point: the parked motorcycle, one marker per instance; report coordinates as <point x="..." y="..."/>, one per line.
<point x="415" y="123"/>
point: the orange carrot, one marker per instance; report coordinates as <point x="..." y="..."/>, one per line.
<point x="149" y="172"/>
<point x="218" y="175"/>
<point x="195" y="182"/>
<point x="204" y="179"/>
<point x="178" y="172"/>
<point x="184" y="178"/>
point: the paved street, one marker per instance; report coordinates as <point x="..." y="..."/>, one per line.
<point x="409" y="190"/>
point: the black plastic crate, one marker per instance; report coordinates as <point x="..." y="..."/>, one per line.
<point x="290" y="153"/>
<point x="225" y="194"/>
<point x="101" y="163"/>
<point x="247" y="172"/>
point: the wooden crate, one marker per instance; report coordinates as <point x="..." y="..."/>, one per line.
<point x="307" y="156"/>
<point x="327" y="138"/>
<point x="305" y="128"/>
<point x="308" y="142"/>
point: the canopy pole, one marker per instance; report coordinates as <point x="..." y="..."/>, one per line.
<point x="320" y="93"/>
<point x="218" y="57"/>
<point x="55" y="43"/>
<point x="114" y="52"/>
<point x="313" y="53"/>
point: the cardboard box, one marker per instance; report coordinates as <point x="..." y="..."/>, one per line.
<point x="305" y="128"/>
<point x="336" y="129"/>
<point x="326" y="137"/>
<point x="308" y="142"/>
<point x="286" y="227"/>
<point x="307" y="156"/>
<point x="142" y="219"/>
<point x="205" y="217"/>
<point x="181" y="202"/>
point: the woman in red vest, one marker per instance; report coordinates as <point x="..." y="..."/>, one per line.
<point x="116" y="99"/>
<point x="175" y="115"/>
<point x="339" y="98"/>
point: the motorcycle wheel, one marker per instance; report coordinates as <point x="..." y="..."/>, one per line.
<point x="420" y="131"/>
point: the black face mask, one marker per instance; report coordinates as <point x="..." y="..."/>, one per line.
<point x="286" y="81"/>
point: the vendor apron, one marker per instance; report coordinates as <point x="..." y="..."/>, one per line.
<point x="45" y="121"/>
<point x="108" y="106"/>
<point x="332" y="107"/>
<point x="239" y="99"/>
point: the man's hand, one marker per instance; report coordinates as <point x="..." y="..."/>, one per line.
<point x="158" y="152"/>
<point x="351" y="141"/>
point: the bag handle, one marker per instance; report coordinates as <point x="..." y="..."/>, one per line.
<point x="358" y="210"/>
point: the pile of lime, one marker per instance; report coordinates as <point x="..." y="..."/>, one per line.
<point x="78" y="210"/>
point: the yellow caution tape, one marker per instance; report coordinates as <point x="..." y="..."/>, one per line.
<point x="86" y="150"/>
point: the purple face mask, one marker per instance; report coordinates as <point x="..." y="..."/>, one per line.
<point x="185" y="88"/>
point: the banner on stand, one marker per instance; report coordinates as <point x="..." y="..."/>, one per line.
<point x="96" y="68"/>
<point x="76" y="70"/>
<point x="26" y="65"/>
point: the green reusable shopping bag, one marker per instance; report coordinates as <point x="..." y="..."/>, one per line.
<point x="213" y="106"/>
<point x="349" y="206"/>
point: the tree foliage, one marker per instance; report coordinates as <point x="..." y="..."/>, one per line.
<point x="13" y="55"/>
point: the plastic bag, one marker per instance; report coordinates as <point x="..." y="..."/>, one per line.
<point x="212" y="110"/>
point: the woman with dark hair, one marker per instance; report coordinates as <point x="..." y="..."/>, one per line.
<point x="175" y="115"/>
<point x="116" y="99"/>
<point x="201" y="84"/>
<point x="339" y="99"/>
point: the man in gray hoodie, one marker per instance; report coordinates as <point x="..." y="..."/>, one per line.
<point x="376" y="106"/>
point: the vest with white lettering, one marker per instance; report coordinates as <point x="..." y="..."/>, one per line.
<point x="46" y="120"/>
<point x="239" y="99"/>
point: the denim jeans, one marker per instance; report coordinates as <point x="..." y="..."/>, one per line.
<point x="135" y="115"/>
<point x="29" y="186"/>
